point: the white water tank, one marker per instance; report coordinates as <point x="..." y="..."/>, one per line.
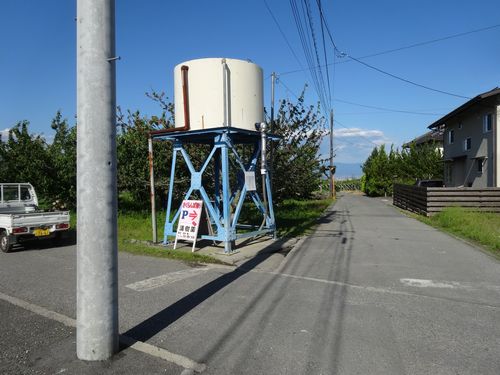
<point x="221" y="92"/>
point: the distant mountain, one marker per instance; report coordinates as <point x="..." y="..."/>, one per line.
<point x="348" y="170"/>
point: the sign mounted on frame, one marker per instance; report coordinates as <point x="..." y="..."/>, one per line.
<point x="189" y="222"/>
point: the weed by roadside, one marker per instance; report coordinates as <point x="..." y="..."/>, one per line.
<point x="293" y="218"/>
<point x="480" y="227"/>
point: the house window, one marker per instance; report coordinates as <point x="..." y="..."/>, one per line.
<point x="487" y="122"/>
<point x="451" y="136"/>
<point x="460" y="125"/>
<point x="480" y="165"/>
<point x="467" y="144"/>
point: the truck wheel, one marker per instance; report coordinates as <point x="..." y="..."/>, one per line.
<point x="5" y="244"/>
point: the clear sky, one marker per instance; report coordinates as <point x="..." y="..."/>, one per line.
<point x="38" y="58"/>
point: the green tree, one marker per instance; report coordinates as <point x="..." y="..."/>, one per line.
<point x="382" y="170"/>
<point x="297" y="168"/>
<point x="422" y="162"/>
<point x="26" y="159"/>
<point x="62" y="152"/>
<point x="376" y="169"/>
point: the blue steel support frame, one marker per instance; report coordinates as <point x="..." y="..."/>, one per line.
<point x="219" y="209"/>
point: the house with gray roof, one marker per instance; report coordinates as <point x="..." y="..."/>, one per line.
<point x="471" y="140"/>
<point x="432" y="137"/>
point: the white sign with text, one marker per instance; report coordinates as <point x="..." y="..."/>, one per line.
<point x="189" y="222"/>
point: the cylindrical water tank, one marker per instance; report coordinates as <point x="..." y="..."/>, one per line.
<point x="221" y="92"/>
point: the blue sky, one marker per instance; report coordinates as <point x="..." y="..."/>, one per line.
<point x="38" y="59"/>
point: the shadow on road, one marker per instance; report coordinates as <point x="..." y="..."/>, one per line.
<point x="329" y="326"/>
<point x="161" y="320"/>
<point x="67" y="239"/>
<point x="329" y="313"/>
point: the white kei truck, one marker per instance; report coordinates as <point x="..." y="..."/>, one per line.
<point x="21" y="220"/>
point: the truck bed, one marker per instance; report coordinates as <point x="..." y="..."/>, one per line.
<point x="33" y="219"/>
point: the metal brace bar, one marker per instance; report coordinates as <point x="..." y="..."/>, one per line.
<point x="170" y="192"/>
<point x="239" y="207"/>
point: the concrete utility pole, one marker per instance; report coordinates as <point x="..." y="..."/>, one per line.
<point x="97" y="256"/>
<point x="332" y="180"/>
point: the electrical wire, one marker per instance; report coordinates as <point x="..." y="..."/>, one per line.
<point x="429" y="41"/>
<point x="385" y="72"/>
<point x="308" y="13"/>
<point x="283" y="34"/>
<point x="407" y="80"/>
<point x="387" y="109"/>
<point x="419" y="44"/>
<point x="280" y="81"/>
<point x="305" y="38"/>
<point x="325" y="55"/>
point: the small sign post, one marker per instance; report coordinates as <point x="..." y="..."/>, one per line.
<point x="189" y="222"/>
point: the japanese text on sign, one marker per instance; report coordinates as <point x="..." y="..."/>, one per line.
<point x="189" y="220"/>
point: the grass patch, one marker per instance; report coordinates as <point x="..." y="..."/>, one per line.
<point x="480" y="227"/>
<point x="142" y="249"/>
<point x="134" y="226"/>
<point x="293" y="218"/>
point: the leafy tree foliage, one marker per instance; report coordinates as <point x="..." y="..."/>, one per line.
<point x="25" y="158"/>
<point x="62" y="154"/>
<point x="381" y="169"/>
<point x="133" y="164"/>
<point x="51" y="167"/>
<point x="297" y="168"/>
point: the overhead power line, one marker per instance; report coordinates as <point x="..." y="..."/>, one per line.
<point x="325" y="55"/>
<point x="303" y="21"/>
<point x="387" y="109"/>
<point x="283" y="34"/>
<point x="419" y="44"/>
<point x="430" y="41"/>
<point x="383" y="71"/>
<point x="407" y="80"/>
<point x="280" y="81"/>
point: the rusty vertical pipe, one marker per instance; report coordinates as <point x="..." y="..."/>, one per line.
<point x="185" y="96"/>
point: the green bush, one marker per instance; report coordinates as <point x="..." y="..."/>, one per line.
<point x="382" y="170"/>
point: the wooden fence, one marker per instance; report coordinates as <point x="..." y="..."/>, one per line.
<point x="428" y="201"/>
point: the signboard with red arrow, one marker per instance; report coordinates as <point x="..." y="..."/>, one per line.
<point x="189" y="221"/>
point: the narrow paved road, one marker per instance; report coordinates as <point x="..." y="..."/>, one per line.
<point x="370" y="292"/>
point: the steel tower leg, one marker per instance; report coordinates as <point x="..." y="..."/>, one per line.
<point x="226" y="195"/>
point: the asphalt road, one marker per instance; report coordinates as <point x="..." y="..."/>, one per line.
<point x="370" y="292"/>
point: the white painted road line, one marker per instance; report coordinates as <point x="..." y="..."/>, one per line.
<point x="42" y="311"/>
<point x="382" y="290"/>
<point x="168" y="278"/>
<point x="423" y="283"/>
<point x="162" y="353"/>
<point x="142" y="347"/>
